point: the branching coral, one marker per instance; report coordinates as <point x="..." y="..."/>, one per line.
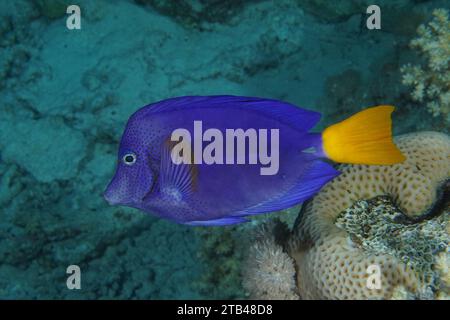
<point x="431" y="82"/>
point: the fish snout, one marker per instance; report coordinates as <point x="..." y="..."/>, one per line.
<point x="112" y="197"/>
<point x="128" y="188"/>
<point x="118" y="193"/>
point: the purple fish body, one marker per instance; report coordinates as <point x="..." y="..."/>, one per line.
<point x="219" y="193"/>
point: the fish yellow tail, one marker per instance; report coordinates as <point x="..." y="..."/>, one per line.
<point x="364" y="138"/>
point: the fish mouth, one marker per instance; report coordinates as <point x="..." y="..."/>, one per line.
<point x="114" y="199"/>
<point x="111" y="198"/>
<point x="115" y="194"/>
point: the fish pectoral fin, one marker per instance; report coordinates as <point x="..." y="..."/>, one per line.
<point x="218" y="222"/>
<point x="313" y="179"/>
<point x="177" y="180"/>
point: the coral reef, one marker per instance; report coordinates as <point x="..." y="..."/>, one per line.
<point x="442" y="267"/>
<point x="431" y="81"/>
<point x="394" y="217"/>
<point x="65" y="96"/>
<point x="221" y="253"/>
<point x="330" y="264"/>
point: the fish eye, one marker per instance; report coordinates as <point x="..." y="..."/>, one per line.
<point x="129" y="159"/>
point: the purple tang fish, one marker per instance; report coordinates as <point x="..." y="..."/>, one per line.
<point x="215" y="160"/>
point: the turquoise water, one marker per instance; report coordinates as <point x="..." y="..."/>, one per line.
<point x="66" y="94"/>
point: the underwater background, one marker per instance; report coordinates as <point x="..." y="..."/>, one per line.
<point x="65" y="97"/>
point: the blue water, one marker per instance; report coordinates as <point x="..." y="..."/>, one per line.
<point x="66" y="94"/>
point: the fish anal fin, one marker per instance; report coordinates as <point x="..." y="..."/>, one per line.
<point x="308" y="185"/>
<point x="218" y="222"/>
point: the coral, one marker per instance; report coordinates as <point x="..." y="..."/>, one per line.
<point x="401" y="293"/>
<point x="442" y="267"/>
<point x="333" y="261"/>
<point x="431" y="81"/>
<point x="378" y="227"/>
<point x="393" y="219"/>
<point x="268" y="270"/>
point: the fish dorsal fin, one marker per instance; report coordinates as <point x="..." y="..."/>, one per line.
<point x="176" y="180"/>
<point x="298" y="118"/>
<point x="317" y="175"/>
